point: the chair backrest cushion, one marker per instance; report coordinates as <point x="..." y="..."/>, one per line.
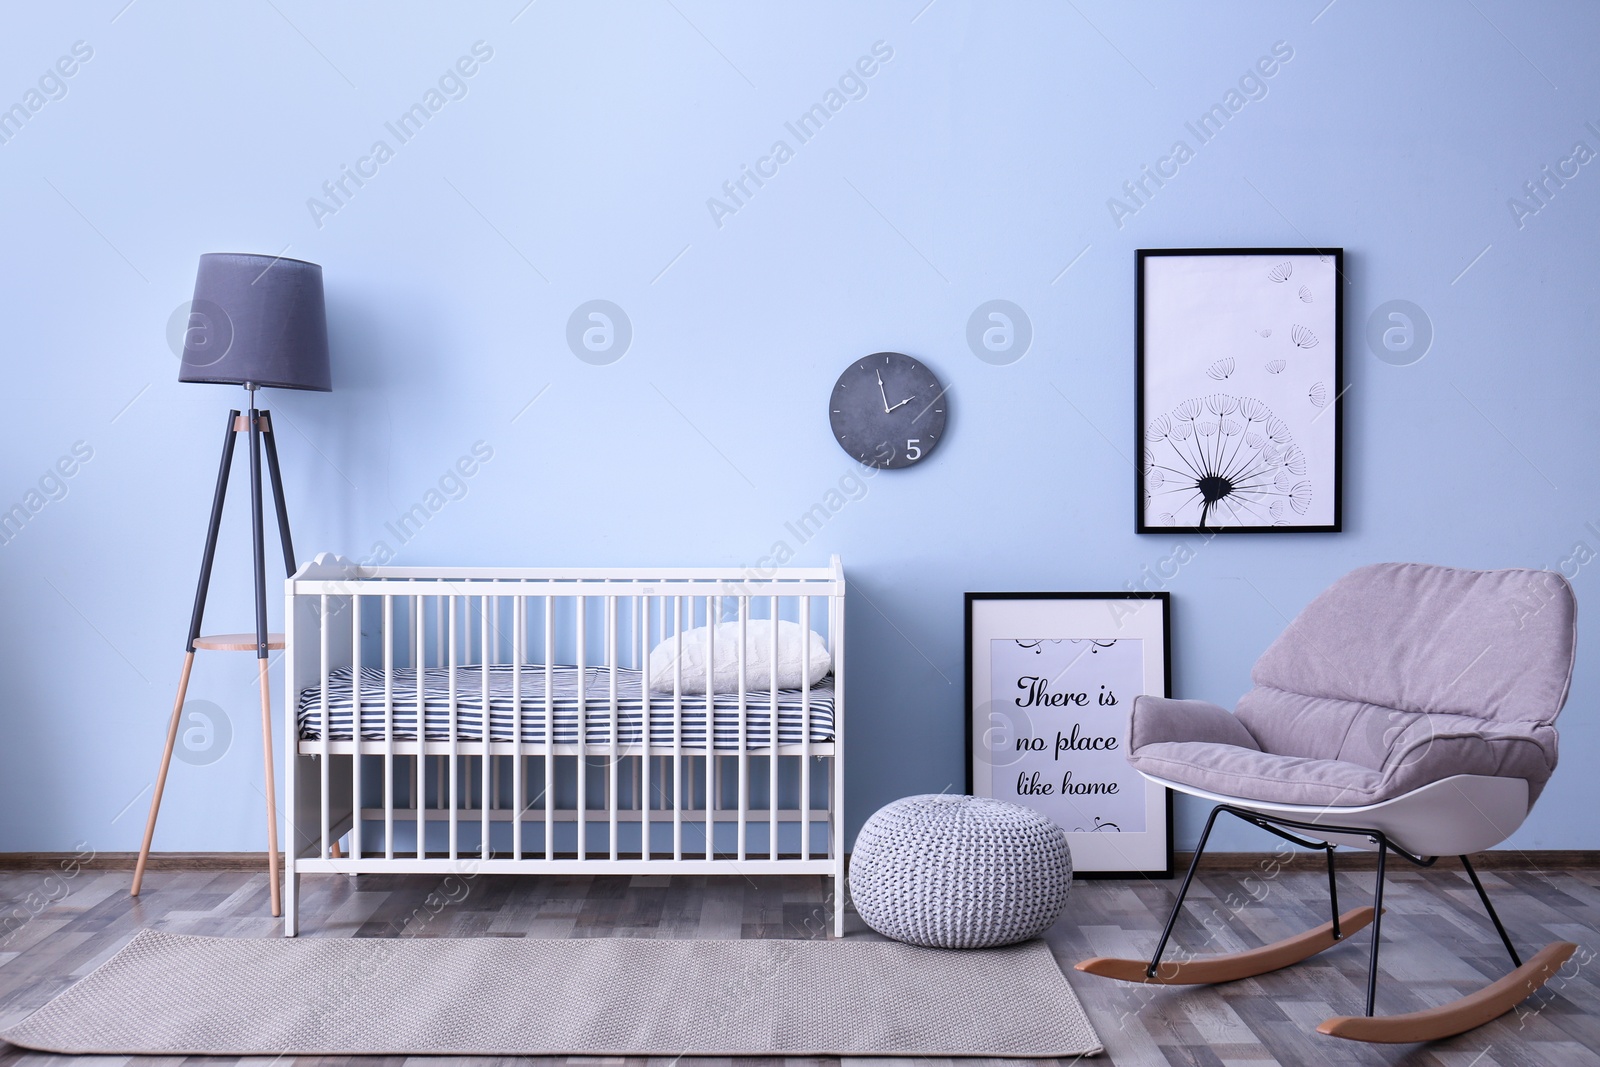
<point x="1390" y="644"/>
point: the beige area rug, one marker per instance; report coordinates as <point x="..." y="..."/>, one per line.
<point x="172" y="994"/>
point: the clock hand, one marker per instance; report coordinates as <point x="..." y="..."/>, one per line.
<point x="900" y="405"/>
<point x="886" y="407"/>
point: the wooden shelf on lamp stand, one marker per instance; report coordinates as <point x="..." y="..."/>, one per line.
<point x="237" y="642"/>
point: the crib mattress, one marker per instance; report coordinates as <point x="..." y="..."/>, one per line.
<point x="564" y="689"/>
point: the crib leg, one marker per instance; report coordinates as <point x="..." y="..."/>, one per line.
<point x="838" y="905"/>
<point x="161" y="776"/>
<point x="291" y="903"/>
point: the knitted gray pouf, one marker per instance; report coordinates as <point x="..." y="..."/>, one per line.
<point x="959" y="872"/>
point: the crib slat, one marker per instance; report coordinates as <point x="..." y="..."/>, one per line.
<point x="677" y="728"/>
<point x="626" y="648"/>
<point x="356" y="760"/>
<point x="642" y="609"/>
<point x="419" y="772"/>
<point x="327" y="816"/>
<point x="805" y="730"/>
<point x="355" y="723"/>
<point x="455" y="760"/>
<point x="583" y="728"/>
<point x="388" y="727"/>
<point x="485" y="658"/>
<point x="613" y="661"/>
<point x="549" y="728"/>
<point x="772" y="742"/>
<point x="441" y="654"/>
<point x="713" y="615"/>
<point x="743" y="761"/>
<point x="413" y="624"/>
<point x="519" y="607"/>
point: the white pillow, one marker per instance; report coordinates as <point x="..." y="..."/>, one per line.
<point x="758" y="658"/>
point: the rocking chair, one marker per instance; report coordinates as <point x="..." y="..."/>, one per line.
<point x="1409" y="709"/>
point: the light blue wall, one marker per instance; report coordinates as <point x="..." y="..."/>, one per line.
<point x="578" y="166"/>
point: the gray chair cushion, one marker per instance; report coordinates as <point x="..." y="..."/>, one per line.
<point x="1251" y="774"/>
<point x="1489" y="644"/>
<point x="1396" y="676"/>
<point x="1162" y="719"/>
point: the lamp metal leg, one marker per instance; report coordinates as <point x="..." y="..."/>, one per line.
<point x="284" y="540"/>
<point x="218" y="497"/>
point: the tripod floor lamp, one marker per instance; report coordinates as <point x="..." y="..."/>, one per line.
<point x="259" y="322"/>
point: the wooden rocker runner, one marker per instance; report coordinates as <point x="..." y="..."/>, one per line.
<point x="1408" y="710"/>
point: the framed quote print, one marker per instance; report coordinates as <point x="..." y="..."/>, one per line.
<point x="1239" y="381"/>
<point x="1050" y="680"/>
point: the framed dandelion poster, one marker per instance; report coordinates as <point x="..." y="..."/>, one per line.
<point x="1050" y="681"/>
<point x="1239" y="379"/>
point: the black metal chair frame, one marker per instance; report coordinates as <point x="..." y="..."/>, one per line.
<point x="1276" y="825"/>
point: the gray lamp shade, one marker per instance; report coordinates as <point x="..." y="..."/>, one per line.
<point x="257" y="319"/>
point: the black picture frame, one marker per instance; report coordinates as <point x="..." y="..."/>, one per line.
<point x="1330" y="388"/>
<point x="1160" y="843"/>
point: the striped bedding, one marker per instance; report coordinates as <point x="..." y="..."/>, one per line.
<point x="564" y="682"/>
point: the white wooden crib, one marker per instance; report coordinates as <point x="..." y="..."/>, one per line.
<point x="640" y="795"/>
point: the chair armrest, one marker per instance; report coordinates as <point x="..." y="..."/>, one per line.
<point x="1437" y="746"/>
<point x="1154" y="720"/>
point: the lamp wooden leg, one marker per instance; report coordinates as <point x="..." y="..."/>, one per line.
<point x="272" y="793"/>
<point x="161" y="776"/>
<point x="334" y="849"/>
<point x="219" y="495"/>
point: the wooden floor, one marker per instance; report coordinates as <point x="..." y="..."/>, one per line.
<point x="1437" y="945"/>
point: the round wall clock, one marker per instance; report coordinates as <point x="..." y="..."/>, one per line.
<point x="887" y="410"/>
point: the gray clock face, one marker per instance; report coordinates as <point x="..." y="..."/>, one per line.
<point x="887" y="410"/>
